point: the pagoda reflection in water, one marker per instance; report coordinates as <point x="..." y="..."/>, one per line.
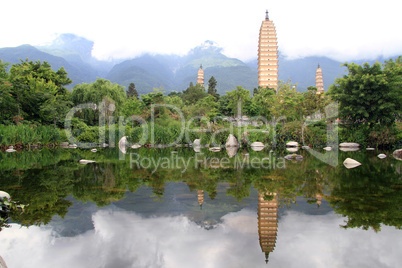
<point x="267" y="222"/>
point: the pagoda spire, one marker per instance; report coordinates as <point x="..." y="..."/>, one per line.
<point x="266" y="15"/>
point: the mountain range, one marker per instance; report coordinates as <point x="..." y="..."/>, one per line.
<point x="170" y="72"/>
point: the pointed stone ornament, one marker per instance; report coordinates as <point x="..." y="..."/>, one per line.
<point x="232" y="141"/>
<point x="381" y="156"/>
<point x="351" y="163"/>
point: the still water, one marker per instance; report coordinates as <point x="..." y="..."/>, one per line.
<point x="179" y="208"/>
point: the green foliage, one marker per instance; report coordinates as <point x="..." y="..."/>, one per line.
<point x="369" y="94"/>
<point x="237" y="99"/>
<point x="29" y="135"/>
<point x="193" y="94"/>
<point x="131" y="91"/>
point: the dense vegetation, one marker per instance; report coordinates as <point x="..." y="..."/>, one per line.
<point x="33" y="95"/>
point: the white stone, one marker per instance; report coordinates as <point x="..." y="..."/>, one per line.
<point x="136" y="146"/>
<point x="381" y="156"/>
<point x="349" y="149"/>
<point x="306" y="147"/>
<point x="5" y="195"/>
<point x="351" y="163"/>
<point x="123" y="144"/>
<point x="398" y="154"/>
<point x="104" y="145"/>
<point x="72" y="146"/>
<point x="232" y="141"/>
<point x="370" y="149"/>
<point x="197" y="149"/>
<point x="94" y="150"/>
<point x="197" y="142"/>
<point x="83" y="161"/>
<point x="292" y="149"/>
<point x="10" y="150"/>
<point x="327" y="148"/>
<point x="292" y="144"/>
<point x="232" y="151"/>
<point x="349" y="144"/>
<point x="215" y="149"/>
<point x="257" y="146"/>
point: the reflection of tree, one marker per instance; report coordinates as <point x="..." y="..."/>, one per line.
<point x="368" y="196"/>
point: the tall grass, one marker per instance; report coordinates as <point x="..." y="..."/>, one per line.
<point x="29" y="135"/>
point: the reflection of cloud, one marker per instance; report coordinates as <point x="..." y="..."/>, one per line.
<point x="125" y="239"/>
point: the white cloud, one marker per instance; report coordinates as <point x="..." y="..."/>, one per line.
<point x="125" y="239"/>
<point x="342" y="30"/>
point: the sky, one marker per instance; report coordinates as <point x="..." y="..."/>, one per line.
<point x="126" y="239"/>
<point x="343" y="30"/>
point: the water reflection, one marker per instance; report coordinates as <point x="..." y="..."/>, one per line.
<point x="127" y="239"/>
<point x="111" y="214"/>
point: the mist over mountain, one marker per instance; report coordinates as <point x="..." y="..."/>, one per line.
<point x="170" y="72"/>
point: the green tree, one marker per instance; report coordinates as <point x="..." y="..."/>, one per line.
<point x="262" y="98"/>
<point x="238" y="97"/>
<point x="132" y="92"/>
<point x="193" y="94"/>
<point x="369" y="94"/>
<point x="33" y="84"/>
<point x="212" y="87"/>
<point x="7" y="102"/>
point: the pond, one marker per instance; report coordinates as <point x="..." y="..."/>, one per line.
<point x="180" y="208"/>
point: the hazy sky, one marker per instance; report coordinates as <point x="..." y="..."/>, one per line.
<point x="342" y="30"/>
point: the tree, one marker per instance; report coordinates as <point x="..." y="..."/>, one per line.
<point x="237" y="97"/>
<point x="7" y="102"/>
<point x="33" y="84"/>
<point x="132" y="92"/>
<point x="369" y="94"/>
<point x="193" y="94"/>
<point x="262" y="98"/>
<point x="212" y="87"/>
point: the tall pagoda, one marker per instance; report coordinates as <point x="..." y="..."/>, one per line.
<point x="319" y="83"/>
<point x="200" y="76"/>
<point x="267" y="55"/>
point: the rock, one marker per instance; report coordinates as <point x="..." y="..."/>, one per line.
<point x="123" y="144"/>
<point x="349" y="144"/>
<point x="197" y="149"/>
<point x="351" y="163"/>
<point x="370" y="149"/>
<point x="104" y="145"/>
<point x="5" y="195"/>
<point x="10" y="150"/>
<point x="306" y="147"/>
<point x="232" y="151"/>
<point x="64" y="144"/>
<point x="10" y="147"/>
<point x="232" y="141"/>
<point x="136" y="146"/>
<point x="292" y="149"/>
<point x="349" y="149"/>
<point x="197" y="142"/>
<point x="327" y="149"/>
<point x="294" y="157"/>
<point x="94" y="150"/>
<point x="83" y="161"/>
<point x="398" y="154"/>
<point x="257" y="146"/>
<point x="292" y="144"/>
<point x="381" y="156"/>
<point x="73" y="146"/>
<point x="215" y="149"/>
